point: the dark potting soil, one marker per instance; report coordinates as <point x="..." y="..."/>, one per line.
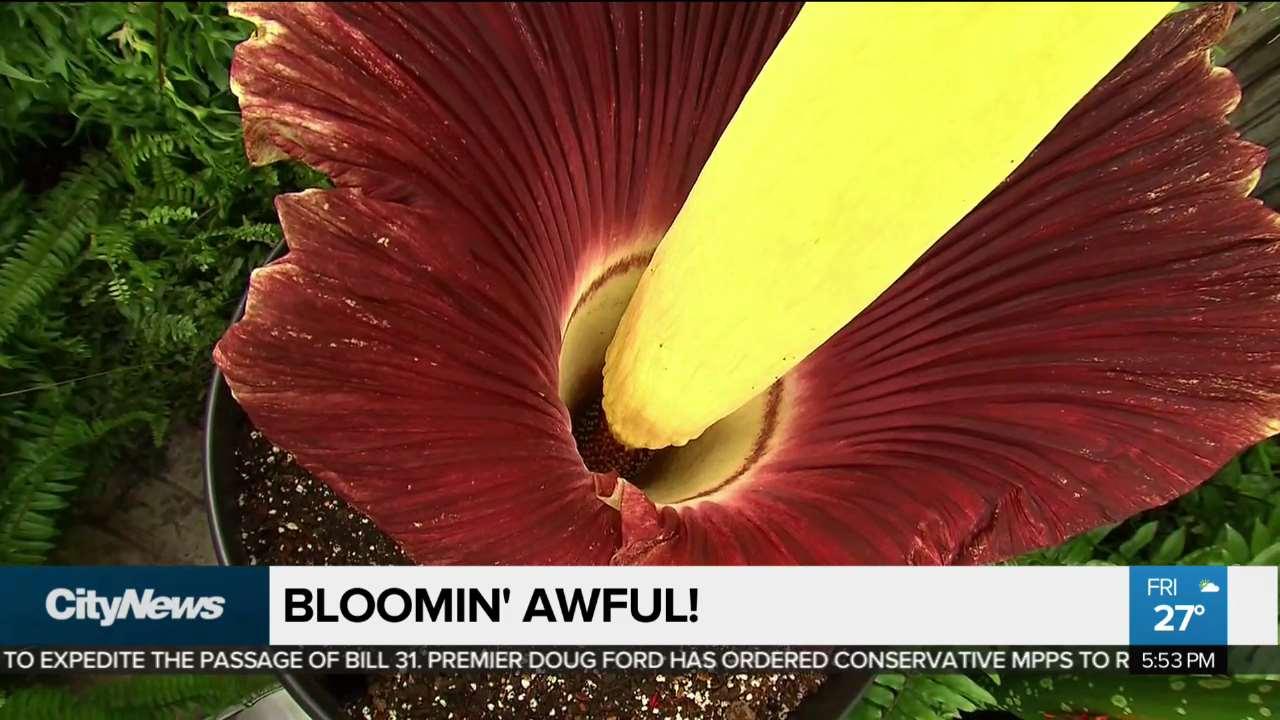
<point x="587" y="696"/>
<point x="290" y="518"/>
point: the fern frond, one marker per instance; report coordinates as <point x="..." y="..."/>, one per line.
<point x="168" y="329"/>
<point x="12" y="218"/>
<point x="928" y="697"/>
<point x="43" y="472"/>
<point x="37" y="478"/>
<point x="46" y="703"/>
<point x="264" y="233"/>
<point x="46" y="253"/>
<point x="167" y="215"/>
<point x="141" y="149"/>
<point x="151" y="697"/>
<point x="112" y="244"/>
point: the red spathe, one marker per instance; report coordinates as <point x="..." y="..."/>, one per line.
<point x="1095" y="339"/>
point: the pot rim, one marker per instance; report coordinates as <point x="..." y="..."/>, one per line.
<point x="834" y="699"/>
<point x="222" y="549"/>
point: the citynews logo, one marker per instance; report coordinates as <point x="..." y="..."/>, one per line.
<point x="81" y="604"/>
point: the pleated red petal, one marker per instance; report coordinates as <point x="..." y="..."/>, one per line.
<point x="492" y="157"/>
<point x="391" y="351"/>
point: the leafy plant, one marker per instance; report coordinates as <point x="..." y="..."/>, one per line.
<point x="898" y="697"/>
<point x="155" y="697"/>
<point x="120" y="68"/>
<point x="118" y="276"/>
<point x="1172" y="697"/>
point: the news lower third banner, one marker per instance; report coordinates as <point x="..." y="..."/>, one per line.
<point x="903" y="619"/>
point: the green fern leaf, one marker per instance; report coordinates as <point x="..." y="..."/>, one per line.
<point x="152" y="697"/>
<point x="940" y="697"/>
<point x="47" y="252"/>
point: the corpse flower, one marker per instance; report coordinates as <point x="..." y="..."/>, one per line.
<point x="1095" y="338"/>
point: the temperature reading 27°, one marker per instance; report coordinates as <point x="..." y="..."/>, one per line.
<point x="1174" y="616"/>
<point x="1178" y="605"/>
<point x="1181" y="613"/>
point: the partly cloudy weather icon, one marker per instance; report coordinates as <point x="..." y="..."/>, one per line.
<point x="1209" y="586"/>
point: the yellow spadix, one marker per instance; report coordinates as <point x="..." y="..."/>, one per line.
<point x="872" y="130"/>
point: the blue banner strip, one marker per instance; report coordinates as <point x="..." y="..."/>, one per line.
<point x="137" y="606"/>
<point x="1178" y="605"/>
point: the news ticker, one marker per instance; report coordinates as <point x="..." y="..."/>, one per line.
<point x="530" y="607"/>
<point x="1152" y="660"/>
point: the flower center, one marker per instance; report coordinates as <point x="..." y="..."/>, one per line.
<point x="600" y="451"/>
<point x="706" y="466"/>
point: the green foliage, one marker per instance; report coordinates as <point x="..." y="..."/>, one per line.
<point x="40" y="476"/>
<point x="933" y="697"/>
<point x="43" y="255"/>
<point x="1169" y="697"/>
<point x="34" y="47"/>
<point x="121" y="68"/>
<point x="129" y="220"/>
<point x="152" y="697"/>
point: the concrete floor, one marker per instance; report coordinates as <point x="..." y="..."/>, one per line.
<point x="149" y="518"/>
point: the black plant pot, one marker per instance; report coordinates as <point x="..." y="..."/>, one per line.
<point x="321" y="695"/>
